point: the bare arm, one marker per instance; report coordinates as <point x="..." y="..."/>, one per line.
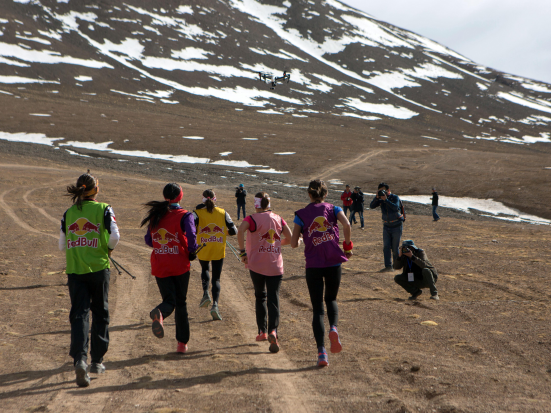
<point x="241" y="234"/>
<point x="345" y="226"/>
<point x="286" y="231"/>
<point x="297" y="230"/>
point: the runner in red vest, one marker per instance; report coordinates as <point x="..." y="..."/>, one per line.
<point x="171" y="233"/>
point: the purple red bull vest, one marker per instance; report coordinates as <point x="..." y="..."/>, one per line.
<point x="321" y="235"/>
<point x="170" y="253"/>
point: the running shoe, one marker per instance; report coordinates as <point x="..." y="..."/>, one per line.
<point x="336" y="345"/>
<point x="157" y="325"/>
<point x="215" y="313"/>
<point x="97" y="368"/>
<point x="262" y="336"/>
<point x="322" y="359"/>
<point x="415" y="295"/>
<point x="182" y="348"/>
<point x="274" y="345"/>
<point x="205" y="302"/>
<point x="83" y="380"/>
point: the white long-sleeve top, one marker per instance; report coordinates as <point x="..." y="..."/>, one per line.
<point x="114" y="235"/>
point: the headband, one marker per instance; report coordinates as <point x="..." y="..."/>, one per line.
<point x="258" y="202"/>
<point x="213" y="199"/>
<point x="177" y="198"/>
<point x="93" y="191"/>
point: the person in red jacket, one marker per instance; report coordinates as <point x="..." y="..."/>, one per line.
<point x="346" y="198"/>
<point x="171" y="233"/>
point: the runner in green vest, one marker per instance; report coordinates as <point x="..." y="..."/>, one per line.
<point x="89" y="233"/>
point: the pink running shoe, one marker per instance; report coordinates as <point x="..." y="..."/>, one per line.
<point x="274" y="345"/>
<point x="182" y="348"/>
<point x="336" y="345"/>
<point x="157" y="326"/>
<point x="322" y="359"/>
<point x="262" y="336"/>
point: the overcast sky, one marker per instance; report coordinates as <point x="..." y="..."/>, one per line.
<point x="512" y="36"/>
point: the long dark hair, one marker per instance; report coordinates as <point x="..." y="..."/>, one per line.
<point x="158" y="209"/>
<point x="209" y="195"/>
<point x="85" y="186"/>
<point x="265" y="199"/>
<point x="318" y="190"/>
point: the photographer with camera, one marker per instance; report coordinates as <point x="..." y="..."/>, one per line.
<point x="392" y="222"/>
<point x="240" y="195"/>
<point x="418" y="272"/>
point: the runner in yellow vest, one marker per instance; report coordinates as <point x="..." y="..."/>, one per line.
<point x="88" y="234"/>
<point x="213" y="224"/>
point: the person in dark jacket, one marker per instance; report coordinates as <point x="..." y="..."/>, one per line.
<point x="240" y="195"/>
<point x="434" y="199"/>
<point x="418" y="272"/>
<point x="392" y="222"/>
<point x="346" y="198"/>
<point x="357" y="206"/>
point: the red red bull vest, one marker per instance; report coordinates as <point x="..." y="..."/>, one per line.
<point x="170" y="253"/>
<point x="264" y="245"/>
<point x="321" y="235"/>
<point x="86" y="238"/>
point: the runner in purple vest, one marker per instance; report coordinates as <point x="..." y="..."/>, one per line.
<point x="317" y="223"/>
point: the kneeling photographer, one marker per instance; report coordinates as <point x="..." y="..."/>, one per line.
<point x="418" y="272"/>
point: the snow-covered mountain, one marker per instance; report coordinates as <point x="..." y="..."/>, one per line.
<point x="343" y="63"/>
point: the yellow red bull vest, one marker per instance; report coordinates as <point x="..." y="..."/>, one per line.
<point x="86" y="238"/>
<point x="170" y="253"/>
<point x="212" y="231"/>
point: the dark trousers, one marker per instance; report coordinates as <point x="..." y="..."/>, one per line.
<point x="216" y="272"/>
<point x="89" y="292"/>
<point x="317" y="279"/>
<point x="412" y="287"/>
<point x="239" y="208"/>
<point x="173" y="290"/>
<point x="266" y="292"/>
<point x="435" y="215"/>
<point x="353" y="217"/>
<point x="346" y="209"/>
<point x="391" y="241"/>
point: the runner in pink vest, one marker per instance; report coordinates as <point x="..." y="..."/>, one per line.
<point x="317" y="223"/>
<point x="263" y="259"/>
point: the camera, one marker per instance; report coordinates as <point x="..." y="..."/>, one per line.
<point x="381" y="193"/>
<point x="405" y="249"/>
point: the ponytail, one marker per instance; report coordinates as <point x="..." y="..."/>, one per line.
<point x="318" y="190"/>
<point x="86" y="186"/>
<point x="208" y="199"/>
<point x="264" y="199"/>
<point x="157" y="209"/>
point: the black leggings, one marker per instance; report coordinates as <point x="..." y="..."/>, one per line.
<point x="315" y="281"/>
<point x="266" y="287"/>
<point x="216" y="272"/>
<point x="173" y="290"/>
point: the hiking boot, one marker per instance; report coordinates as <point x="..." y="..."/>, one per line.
<point x="415" y="295"/>
<point x="83" y="380"/>
<point x="274" y="345"/>
<point x="205" y="302"/>
<point x="435" y="297"/>
<point x="386" y="269"/>
<point x="157" y="325"/>
<point x="97" y="368"/>
<point x="215" y="313"/>
<point x="322" y="359"/>
<point x="181" y="348"/>
<point x="336" y="345"/>
<point x="262" y="336"/>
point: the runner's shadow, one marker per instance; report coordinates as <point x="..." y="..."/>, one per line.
<point x="133" y="327"/>
<point x="362" y="299"/>
<point x="32" y="287"/>
<point x="174" y="383"/>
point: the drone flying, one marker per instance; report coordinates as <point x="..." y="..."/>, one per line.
<point x="265" y="77"/>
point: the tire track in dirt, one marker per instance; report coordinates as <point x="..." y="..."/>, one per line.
<point x="286" y="391"/>
<point x="349" y="164"/>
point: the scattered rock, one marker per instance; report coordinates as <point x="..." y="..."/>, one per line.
<point x="429" y="323"/>
<point x="415" y="368"/>
<point x="414" y="316"/>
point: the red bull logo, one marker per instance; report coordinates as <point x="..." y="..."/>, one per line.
<point x="270" y="237"/>
<point x="211" y="231"/>
<point x="320" y="225"/>
<point x="164" y="237"/>
<point x="82" y="227"/>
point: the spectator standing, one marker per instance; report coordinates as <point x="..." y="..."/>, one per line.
<point x="240" y="196"/>
<point x="434" y="199"/>
<point x="346" y="198"/>
<point x="357" y="206"/>
<point x="392" y="222"/>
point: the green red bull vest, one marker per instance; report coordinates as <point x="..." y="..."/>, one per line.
<point x="264" y="245"/>
<point x="321" y="235"/>
<point x="86" y="238"/>
<point x="170" y="253"/>
<point x="212" y="231"/>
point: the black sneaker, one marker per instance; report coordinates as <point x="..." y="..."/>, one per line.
<point x="83" y="380"/>
<point x="97" y="368"/>
<point x="415" y="295"/>
<point x="386" y="269"/>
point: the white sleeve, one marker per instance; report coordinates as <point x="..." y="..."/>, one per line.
<point x="115" y="236"/>
<point x="61" y="240"/>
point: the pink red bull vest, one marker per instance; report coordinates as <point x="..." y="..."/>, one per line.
<point x="321" y="236"/>
<point x="264" y="245"/>
<point x="170" y="253"/>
